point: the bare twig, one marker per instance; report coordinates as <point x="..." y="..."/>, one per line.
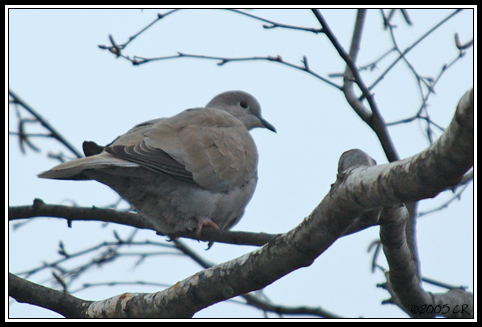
<point x="411" y="47"/>
<point x="273" y="24"/>
<point x="422" y="113"/>
<point x="445" y="205"/>
<point x="53" y="132"/>
<point x="117" y="48"/>
<point x="461" y="46"/>
<point x="224" y="60"/>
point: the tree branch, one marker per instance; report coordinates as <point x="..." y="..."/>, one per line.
<point x="284" y="310"/>
<point x="53" y="132"/>
<point x="63" y="303"/>
<point x="117" y="48"/>
<point x="403" y="280"/>
<point x="273" y="24"/>
<point x="375" y="119"/>
<point x="412" y="46"/>
<point x="41" y="209"/>
<point x="253" y="300"/>
<point x="137" y="60"/>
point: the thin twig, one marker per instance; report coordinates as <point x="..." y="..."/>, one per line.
<point x="54" y="133"/>
<point x="224" y="60"/>
<point x="278" y="25"/>
<point x="116" y="48"/>
<point x="411" y="47"/>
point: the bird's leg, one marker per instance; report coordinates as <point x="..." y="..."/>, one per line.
<point x="204" y="221"/>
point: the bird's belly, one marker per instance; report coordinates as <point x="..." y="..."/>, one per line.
<point x="172" y="204"/>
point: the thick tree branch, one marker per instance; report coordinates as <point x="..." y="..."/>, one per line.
<point x="63" y="303"/>
<point x="403" y="281"/>
<point x="425" y="174"/>
<point x="253" y="300"/>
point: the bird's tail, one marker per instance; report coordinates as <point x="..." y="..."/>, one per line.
<point x="75" y="169"/>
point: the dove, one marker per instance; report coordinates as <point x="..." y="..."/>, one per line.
<point x="192" y="170"/>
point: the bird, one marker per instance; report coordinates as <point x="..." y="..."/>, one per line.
<point x="194" y="170"/>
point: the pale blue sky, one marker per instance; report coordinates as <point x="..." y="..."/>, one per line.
<point x="55" y="65"/>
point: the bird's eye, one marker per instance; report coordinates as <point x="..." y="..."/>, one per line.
<point x="243" y="104"/>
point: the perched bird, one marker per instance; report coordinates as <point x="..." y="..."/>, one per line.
<point x="193" y="170"/>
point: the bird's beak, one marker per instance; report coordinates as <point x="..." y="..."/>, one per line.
<point x="267" y="125"/>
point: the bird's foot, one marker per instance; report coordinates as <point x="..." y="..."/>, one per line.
<point x="204" y="222"/>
